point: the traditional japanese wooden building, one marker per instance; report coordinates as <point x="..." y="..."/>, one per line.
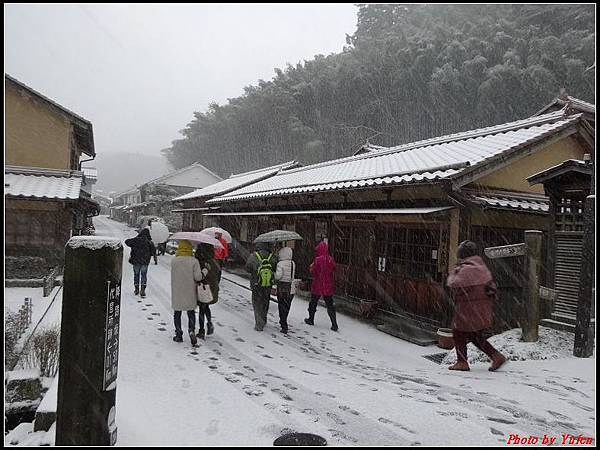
<point x="47" y="196"/>
<point x="395" y="216"/>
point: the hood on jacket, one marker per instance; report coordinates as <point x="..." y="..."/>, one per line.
<point x="205" y="251"/>
<point x="184" y="248"/>
<point x="145" y="233"/>
<point x="264" y="246"/>
<point x="285" y="254"/>
<point x="470" y="271"/>
<point x="322" y="249"/>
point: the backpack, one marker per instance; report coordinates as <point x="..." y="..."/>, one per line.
<point x="265" y="271"/>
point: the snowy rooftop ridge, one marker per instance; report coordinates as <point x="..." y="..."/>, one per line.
<point x="426" y="161"/>
<point x="95" y="242"/>
<point x="236" y="181"/>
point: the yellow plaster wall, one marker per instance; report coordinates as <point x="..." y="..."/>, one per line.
<point x="514" y="176"/>
<point x="35" y="136"/>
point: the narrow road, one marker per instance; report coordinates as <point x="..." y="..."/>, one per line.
<point x="355" y="387"/>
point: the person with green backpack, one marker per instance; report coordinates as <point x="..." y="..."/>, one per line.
<point x="261" y="265"/>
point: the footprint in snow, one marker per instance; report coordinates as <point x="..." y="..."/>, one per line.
<point x="213" y="427"/>
<point x="325" y="394"/>
<point x="162" y="329"/>
<point x="348" y="409"/>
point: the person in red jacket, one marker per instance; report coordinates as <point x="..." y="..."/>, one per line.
<point x="221" y="253"/>
<point x="473" y="290"/>
<point x="322" y="269"/>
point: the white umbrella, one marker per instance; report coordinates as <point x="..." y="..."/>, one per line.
<point x="196" y="236"/>
<point x="214" y="230"/>
<point x="159" y="232"/>
<point x="278" y="236"/>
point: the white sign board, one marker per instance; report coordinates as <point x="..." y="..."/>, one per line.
<point x="506" y="251"/>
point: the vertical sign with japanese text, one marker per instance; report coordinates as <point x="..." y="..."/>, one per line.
<point x="111" y="338"/>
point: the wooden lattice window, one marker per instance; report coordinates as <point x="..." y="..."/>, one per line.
<point x="569" y="214"/>
<point x="413" y="252"/>
<point x="342" y="244"/>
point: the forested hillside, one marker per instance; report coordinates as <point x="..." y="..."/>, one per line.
<point x="408" y="72"/>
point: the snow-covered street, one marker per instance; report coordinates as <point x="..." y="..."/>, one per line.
<point x="358" y="386"/>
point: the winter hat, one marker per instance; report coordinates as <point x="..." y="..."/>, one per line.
<point x="466" y="249"/>
<point x="184" y="248"/>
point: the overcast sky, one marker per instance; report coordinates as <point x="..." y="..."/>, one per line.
<point x="138" y="72"/>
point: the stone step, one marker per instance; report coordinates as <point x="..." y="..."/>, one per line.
<point x="556" y="325"/>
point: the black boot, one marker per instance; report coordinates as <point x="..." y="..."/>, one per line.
<point x="210" y="329"/>
<point x="193" y="338"/>
<point x="143" y="291"/>
<point x="311" y="318"/>
<point x="178" y="336"/>
<point x="334" y="325"/>
<point x="137" y="289"/>
<point x="200" y="334"/>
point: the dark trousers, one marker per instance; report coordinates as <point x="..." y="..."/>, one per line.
<point x="261" y="296"/>
<point x="203" y="311"/>
<point x="191" y="321"/>
<point x="462" y="338"/>
<point x="312" y="307"/>
<point x="284" y="302"/>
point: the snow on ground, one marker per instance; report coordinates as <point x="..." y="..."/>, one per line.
<point x="552" y="344"/>
<point x="355" y="387"/>
<point x="45" y="311"/>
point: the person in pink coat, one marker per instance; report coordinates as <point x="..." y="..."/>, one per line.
<point x="473" y="291"/>
<point x="322" y="270"/>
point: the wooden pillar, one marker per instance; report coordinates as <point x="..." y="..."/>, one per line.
<point x="89" y="342"/>
<point x="453" y="238"/>
<point x="464" y="231"/>
<point x="584" y="331"/>
<point x="531" y="308"/>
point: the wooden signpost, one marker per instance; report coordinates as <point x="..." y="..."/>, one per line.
<point x="531" y="248"/>
<point x="89" y="342"/>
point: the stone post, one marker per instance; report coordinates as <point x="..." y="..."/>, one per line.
<point x="89" y="341"/>
<point x="531" y="307"/>
<point x="584" y="330"/>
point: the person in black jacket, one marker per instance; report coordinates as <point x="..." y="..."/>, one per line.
<point x="142" y="250"/>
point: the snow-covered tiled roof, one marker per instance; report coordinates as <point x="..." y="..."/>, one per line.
<point x="511" y="200"/>
<point x="236" y="181"/>
<point x="40" y="186"/>
<point x="427" y="161"/>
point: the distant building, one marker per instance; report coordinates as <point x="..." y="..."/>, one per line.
<point x="193" y="205"/>
<point x="153" y="197"/>
<point x="44" y="188"/>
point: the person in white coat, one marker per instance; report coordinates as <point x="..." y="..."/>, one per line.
<point x="284" y="275"/>
<point x="185" y="274"/>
